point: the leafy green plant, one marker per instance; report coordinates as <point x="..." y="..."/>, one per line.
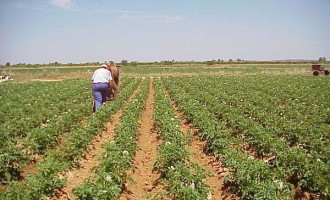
<point x="111" y="174"/>
<point x="58" y="160"/>
<point x="182" y="178"/>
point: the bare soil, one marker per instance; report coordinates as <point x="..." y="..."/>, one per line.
<point x="217" y="172"/>
<point x="76" y="177"/>
<point x="47" y="80"/>
<point x="144" y="184"/>
<point x="144" y="179"/>
<point x="32" y="168"/>
<point x="91" y="160"/>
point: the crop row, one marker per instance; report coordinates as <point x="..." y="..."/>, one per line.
<point x="305" y="96"/>
<point x="252" y="178"/>
<point x="40" y="139"/>
<point x="267" y="104"/>
<point x="16" y="151"/>
<point x="305" y="170"/>
<point x="37" y="110"/>
<point x="29" y="105"/>
<point x="182" y="179"/>
<point x="108" y="180"/>
<point x="36" y="186"/>
<point x="292" y="164"/>
<point x="300" y="134"/>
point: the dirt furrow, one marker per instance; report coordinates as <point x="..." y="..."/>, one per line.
<point x="91" y="160"/>
<point x="31" y="167"/>
<point x="143" y="177"/>
<point x="217" y="172"/>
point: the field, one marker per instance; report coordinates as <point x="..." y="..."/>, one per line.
<point x="241" y="131"/>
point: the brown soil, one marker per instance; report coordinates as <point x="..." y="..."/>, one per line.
<point x="250" y="150"/>
<point x="144" y="179"/>
<point x="47" y="80"/>
<point x="32" y="168"/>
<point x="217" y="171"/>
<point x="2" y="188"/>
<point x="91" y="160"/>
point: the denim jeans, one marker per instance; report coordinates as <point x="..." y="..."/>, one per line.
<point x="100" y="93"/>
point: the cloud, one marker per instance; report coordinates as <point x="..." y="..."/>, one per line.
<point x="120" y="11"/>
<point x="160" y="18"/>
<point x="134" y="15"/>
<point x="29" y="6"/>
<point x="65" y="4"/>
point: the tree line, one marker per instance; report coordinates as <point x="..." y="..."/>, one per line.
<point x="172" y="62"/>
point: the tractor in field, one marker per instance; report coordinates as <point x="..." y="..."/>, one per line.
<point x="317" y="69"/>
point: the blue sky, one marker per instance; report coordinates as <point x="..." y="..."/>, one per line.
<point x="44" y="31"/>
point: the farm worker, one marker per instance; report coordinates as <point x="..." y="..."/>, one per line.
<point x="101" y="81"/>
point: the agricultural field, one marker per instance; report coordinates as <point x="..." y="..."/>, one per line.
<point x="60" y="72"/>
<point x="185" y="132"/>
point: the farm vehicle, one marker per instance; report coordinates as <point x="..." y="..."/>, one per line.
<point x="317" y="69"/>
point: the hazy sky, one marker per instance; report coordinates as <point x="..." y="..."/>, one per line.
<point x="44" y="31"/>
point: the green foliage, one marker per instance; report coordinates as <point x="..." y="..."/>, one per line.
<point x="58" y="160"/>
<point x="110" y="176"/>
<point x="34" y="115"/>
<point x="185" y="181"/>
<point x="280" y="118"/>
<point x="182" y="178"/>
<point x="271" y="132"/>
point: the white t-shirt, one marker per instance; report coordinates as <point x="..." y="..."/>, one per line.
<point x="101" y="75"/>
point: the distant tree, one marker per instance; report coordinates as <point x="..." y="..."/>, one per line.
<point x="7" y="64"/>
<point x="124" y="62"/>
<point x="167" y="62"/>
<point x="134" y="63"/>
<point x="220" y="61"/>
<point x="211" y="62"/>
<point x="321" y="59"/>
<point x="230" y="60"/>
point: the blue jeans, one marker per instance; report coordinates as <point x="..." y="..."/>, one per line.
<point x="100" y="93"/>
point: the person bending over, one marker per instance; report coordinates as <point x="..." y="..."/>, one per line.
<point x="101" y="81"/>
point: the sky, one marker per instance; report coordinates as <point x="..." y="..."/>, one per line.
<point x="79" y="31"/>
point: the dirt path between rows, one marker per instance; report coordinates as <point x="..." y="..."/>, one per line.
<point x="144" y="179"/>
<point x="91" y="159"/>
<point x="217" y="172"/>
<point x="31" y="167"/>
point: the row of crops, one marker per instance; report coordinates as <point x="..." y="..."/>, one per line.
<point x="182" y="178"/>
<point x="111" y="174"/>
<point x="33" y="115"/>
<point x="56" y="158"/>
<point x="271" y="132"/>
